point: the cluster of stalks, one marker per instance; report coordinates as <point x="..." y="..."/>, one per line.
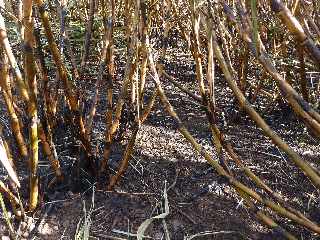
<point x="210" y="30"/>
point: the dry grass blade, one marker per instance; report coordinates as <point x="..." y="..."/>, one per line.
<point x="83" y="227"/>
<point x="6" y="217"/>
<point x="144" y="226"/>
<point x="207" y="233"/>
<point x="7" y="165"/>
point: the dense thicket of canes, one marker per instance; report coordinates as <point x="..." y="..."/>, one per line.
<point x="227" y="40"/>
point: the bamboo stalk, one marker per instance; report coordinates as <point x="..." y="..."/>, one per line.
<point x="50" y="154"/>
<point x="46" y="138"/>
<point x="195" y="47"/>
<point x="14" y="120"/>
<point x="302" y="70"/>
<point x="130" y="70"/>
<point x="125" y="159"/>
<point x="48" y="103"/>
<point x="30" y="75"/>
<point x="6" y="191"/>
<point x="107" y="63"/>
<point x="207" y="101"/>
<point x="69" y="89"/>
<point x="268" y="221"/>
<point x="148" y="107"/>
<point x="144" y="62"/>
<point x="178" y="85"/>
<point x="89" y="29"/>
<point x="210" y="65"/>
<point x="295" y="28"/>
<point x="8" y="50"/>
